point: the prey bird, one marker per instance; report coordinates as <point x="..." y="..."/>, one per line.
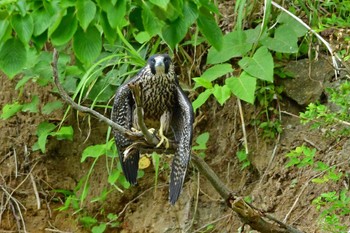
<point x="166" y="108"/>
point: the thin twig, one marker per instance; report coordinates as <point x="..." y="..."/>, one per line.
<point x="35" y="189"/>
<point x="243" y="126"/>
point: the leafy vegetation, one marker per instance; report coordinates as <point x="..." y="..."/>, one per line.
<point x="106" y="42"/>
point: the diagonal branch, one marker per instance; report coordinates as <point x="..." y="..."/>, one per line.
<point x="80" y="108"/>
<point x="248" y="214"/>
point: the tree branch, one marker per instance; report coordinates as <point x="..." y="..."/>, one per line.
<point x="248" y="214"/>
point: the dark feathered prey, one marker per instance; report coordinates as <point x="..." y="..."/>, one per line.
<point x="166" y="108"/>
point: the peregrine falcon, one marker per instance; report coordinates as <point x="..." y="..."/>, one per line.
<point x="165" y="108"/>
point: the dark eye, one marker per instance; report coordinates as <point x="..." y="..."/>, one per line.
<point x="167" y="60"/>
<point x="153" y="61"/>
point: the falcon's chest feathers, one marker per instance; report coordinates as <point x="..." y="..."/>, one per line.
<point x="157" y="89"/>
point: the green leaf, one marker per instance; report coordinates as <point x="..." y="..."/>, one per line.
<point x="113" y="176"/>
<point x="234" y="45"/>
<point x="4" y="25"/>
<point x="93" y="151"/>
<point x="13" y="57"/>
<point x="51" y="106"/>
<point x="142" y="37"/>
<point x="284" y="41"/>
<point x="161" y="3"/>
<point x="108" y="31"/>
<point x="260" y="66"/>
<point x="32" y="106"/>
<point x="116" y="14"/>
<point x="88" y="221"/>
<point x="175" y="31"/>
<point x="221" y="93"/>
<point x="100" y="228"/>
<point x="210" y="29"/>
<point x="202" y="82"/>
<point x="87" y="45"/>
<point x="292" y="24"/>
<point x="66" y="29"/>
<point x="151" y="23"/>
<point x="24" y="27"/>
<point x="201" y="99"/>
<point x="243" y="86"/>
<point x="43" y="131"/>
<point x="65" y="132"/>
<point x="201" y="140"/>
<point x="86" y="10"/>
<point x="212" y="74"/>
<point x="42" y="21"/>
<point x="10" y="109"/>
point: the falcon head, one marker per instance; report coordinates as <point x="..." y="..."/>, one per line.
<point x="159" y="64"/>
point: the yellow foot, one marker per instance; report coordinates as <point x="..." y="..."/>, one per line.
<point x="162" y="138"/>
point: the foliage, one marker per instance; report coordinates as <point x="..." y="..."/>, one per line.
<point x="328" y="116"/>
<point x="201" y="146"/>
<point x="243" y="158"/>
<point x="333" y="206"/>
<point x="255" y="63"/>
<point x="301" y="156"/>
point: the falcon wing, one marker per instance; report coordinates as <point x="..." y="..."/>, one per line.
<point x="122" y="114"/>
<point x="181" y="123"/>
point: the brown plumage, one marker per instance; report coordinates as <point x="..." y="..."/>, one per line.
<point x="163" y="100"/>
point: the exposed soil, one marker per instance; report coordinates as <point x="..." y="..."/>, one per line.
<point x="286" y="193"/>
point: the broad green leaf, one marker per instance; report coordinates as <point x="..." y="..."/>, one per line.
<point x="201" y="140"/>
<point x="51" y="106"/>
<point x="43" y="131"/>
<point x="243" y="86"/>
<point x="65" y="31"/>
<point x="93" y="151"/>
<point x="210" y="29"/>
<point x="87" y="45"/>
<point x="202" y="82"/>
<point x="292" y="24"/>
<point x="32" y="106"/>
<point x="201" y="99"/>
<point x="86" y="10"/>
<point x="100" y="228"/>
<point x="42" y="21"/>
<point x="151" y="23"/>
<point x="284" y="41"/>
<point x="260" y="66"/>
<point x="212" y="74"/>
<point x="88" y="221"/>
<point x="234" y="45"/>
<point x="113" y="176"/>
<point x="176" y="30"/>
<point x="221" y="93"/>
<point x="65" y="132"/>
<point x="142" y="37"/>
<point x="10" y="109"/>
<point x="4" y="24"/>
<point x="24" y="27"/>
<point x="13" y="57"/>
<point x="161" y="3"/>
<point x="116" y="14"/>
<point x="108" y="31"/>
